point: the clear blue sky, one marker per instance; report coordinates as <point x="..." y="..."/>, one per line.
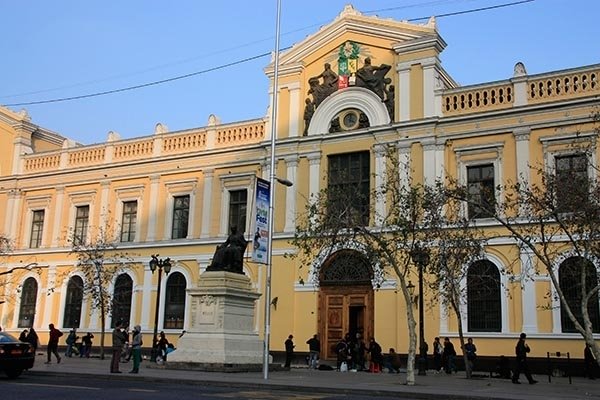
<point x="69" y="48"/>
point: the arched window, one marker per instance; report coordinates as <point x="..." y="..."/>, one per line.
<point x="346" y="267"/>
<point x="569" y="278"/>
<point x="175" y="301"/>
<point x="484" y="311"/>
<point x="73" y="302"/>
<point x="28" y="301"/>
<point x="121" y="304"/>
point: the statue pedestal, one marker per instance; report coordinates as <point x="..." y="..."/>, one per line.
<point x="222" y="334"/>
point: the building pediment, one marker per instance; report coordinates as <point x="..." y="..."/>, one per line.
<point x="350" y="22"/>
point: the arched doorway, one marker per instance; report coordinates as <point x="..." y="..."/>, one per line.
<point x="345" y="299"/>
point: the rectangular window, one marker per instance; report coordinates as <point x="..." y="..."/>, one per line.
<point x="82" y="214"/>
<point x="238" y="202"/>
<point x="480" y="183"/>
<point x="181" y="213"/>
<point x="571" y="182"/>
<point x="129" y="220"/>
<point x="37" y="229"/>
<point x="349" y="178"/>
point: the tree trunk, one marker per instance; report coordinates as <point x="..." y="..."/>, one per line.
<point x="412" y="334"/>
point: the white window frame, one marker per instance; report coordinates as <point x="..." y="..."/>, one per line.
<point x="175" y="189"/>
<point x="467" y="156"/>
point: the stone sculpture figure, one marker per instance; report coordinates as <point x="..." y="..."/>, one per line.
<point x="229" y="256"/>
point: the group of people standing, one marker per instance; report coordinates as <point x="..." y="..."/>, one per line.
<point x="121" y="341"/>
<point x="353" y="351"/>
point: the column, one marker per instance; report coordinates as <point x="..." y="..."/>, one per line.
<point x="9" y="212"/>
<point x="429" y="161"/>
<point x="14" y="221"/>
<point x="192" y="211"/>
<point x="528" y="292"/>
<point x="290" y="194"/>
<point x="403" y="92"/>
<point x="153" y="209"/>
<point x="146" y="299"/>
<point x="104" y="194"/>
<point x="51" y="291"/>
<point x="294" y="110"/>
<point x="207" y="202"/>
<point x="314" y="174"/>
<point x="380" y="179"/>
<point x="404" y="166"/>
<point x="58" y="206"/>
<point x="440" y="149"/>
<point x="429" y="75"/>
<point x="521" y="135"/>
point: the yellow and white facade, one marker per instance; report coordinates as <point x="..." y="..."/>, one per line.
<point x="49" y="184"/>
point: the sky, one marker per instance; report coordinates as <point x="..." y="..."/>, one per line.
<point x="58" y="49"/>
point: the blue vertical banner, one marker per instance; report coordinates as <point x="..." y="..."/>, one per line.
<point x="261" y="227"/>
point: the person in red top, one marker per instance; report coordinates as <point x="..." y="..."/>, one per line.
<point x="55" y="334"/>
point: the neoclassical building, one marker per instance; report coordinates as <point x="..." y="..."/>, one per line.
<point x="355" y="86"/>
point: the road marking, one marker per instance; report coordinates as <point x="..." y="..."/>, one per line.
<point x="268" y="395"/>
<point x="58" y="386"/>
<point x="143" y="390"/>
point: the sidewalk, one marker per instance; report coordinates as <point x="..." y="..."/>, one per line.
<point x="301" y="379"/>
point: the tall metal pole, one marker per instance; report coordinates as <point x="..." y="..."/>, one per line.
<point x="267" y="330"/>
<point x="422" y="346"/>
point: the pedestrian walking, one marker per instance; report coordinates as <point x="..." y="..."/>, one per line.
<point x="118" y="341"/>
<point x="71" y="340"/>
<point x="471" y="351"/>
<point x="521" y="351"/>
<point x="314" y="348"/>
<point x="449" y="356"/>
<point x="52" y="347"/>
<point x="136" y="348"/>
<point x="289" y="351"/>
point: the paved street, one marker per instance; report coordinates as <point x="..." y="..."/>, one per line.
<point x="300" y="382"/>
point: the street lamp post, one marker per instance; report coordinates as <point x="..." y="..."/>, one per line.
<point x="160" y="264"/>
<point x="420" y="257"/>
<point x="272" y="180"/>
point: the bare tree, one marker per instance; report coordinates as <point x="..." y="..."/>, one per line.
<point x="345" y="216"/>
<point x="100" y="262"/>
<point x="556" y="217"/>
<point x="459" y="243"/>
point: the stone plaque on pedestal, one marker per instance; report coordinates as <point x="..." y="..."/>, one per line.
<point x="222" y="334"/>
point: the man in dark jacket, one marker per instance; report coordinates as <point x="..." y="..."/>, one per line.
<point x="52" y="348"/>
<point x="521" y="351"/>
<point x="119" y="337"/>
<point x="289" y="351"/>
<point x="314" y="347"/>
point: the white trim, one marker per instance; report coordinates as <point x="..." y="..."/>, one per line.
<point x="244" y="181"/>
<point x="504" y="307"/>
<point x="354" y="97"/>
<point x="178" y="189"/>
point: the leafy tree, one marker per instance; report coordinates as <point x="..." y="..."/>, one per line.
<point x="100" y="263"/>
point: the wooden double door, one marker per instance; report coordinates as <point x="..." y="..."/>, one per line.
<point x="344" y="309"/>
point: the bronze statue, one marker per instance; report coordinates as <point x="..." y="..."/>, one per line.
<point x="229" y="256"/>
<point x="320" y="90"/>
<point x="309" y="110"/>
<point x="372" y="77"/>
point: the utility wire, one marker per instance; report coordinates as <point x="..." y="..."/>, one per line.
<point x="244" y="60"/>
